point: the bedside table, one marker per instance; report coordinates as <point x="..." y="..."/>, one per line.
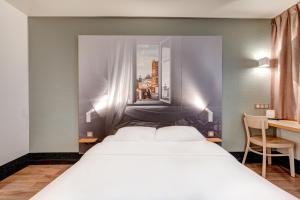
<point x="88" y="140"/>
<point x="215" y="140"/>
<point x="85" y="143"/>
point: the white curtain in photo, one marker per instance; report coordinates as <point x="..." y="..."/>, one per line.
<point x="120" y="80"/>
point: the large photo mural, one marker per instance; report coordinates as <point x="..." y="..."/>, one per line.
<point x="149" y="81"/>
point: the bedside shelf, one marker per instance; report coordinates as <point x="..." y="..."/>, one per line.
<point x="215" y="140"/>
<point x="88" y="140"/>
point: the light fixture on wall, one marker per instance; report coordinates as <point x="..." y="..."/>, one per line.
<point x="210" y="115"/>
<point x="200" y="104"/>
<point x="88" y="116"/>
<point x="264" y="62"/>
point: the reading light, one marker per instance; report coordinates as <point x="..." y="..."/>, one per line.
<point x="100" y="105"/>
<point x="210" y="115"/>
<point x="88" y="117"/>
<point x="264" y="62"/>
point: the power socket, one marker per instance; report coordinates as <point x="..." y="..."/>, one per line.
<point x="261" y="106"/>
<point x="89" y="134"/>
<point x="211" y="133"/>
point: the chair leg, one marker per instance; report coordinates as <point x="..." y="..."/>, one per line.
<point x="246" y="153"/>
<point x="292" y="164"/>
<point x="264" y="162"/>
<point x="269" y="151"/>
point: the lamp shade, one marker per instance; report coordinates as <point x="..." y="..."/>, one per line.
<point x="264" y="62"/>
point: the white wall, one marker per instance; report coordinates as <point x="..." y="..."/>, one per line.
<point x="14" y="120"/>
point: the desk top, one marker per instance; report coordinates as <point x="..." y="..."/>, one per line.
<point x="285" y="124"/>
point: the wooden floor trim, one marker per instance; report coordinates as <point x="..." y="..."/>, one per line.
<point x="72" y="157"/>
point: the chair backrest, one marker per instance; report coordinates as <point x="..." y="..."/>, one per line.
<point x="255" y="122"/>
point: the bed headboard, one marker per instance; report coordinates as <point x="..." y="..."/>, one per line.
<point x="156" y="81"/>
<point x="161" y="116"/>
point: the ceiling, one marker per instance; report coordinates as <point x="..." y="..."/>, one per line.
<point x="155" y="8"/>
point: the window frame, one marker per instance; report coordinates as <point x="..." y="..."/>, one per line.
<point x="168" y="45"/>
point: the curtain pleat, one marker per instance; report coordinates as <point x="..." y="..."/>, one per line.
<point x="285" y="64"/>
<point x="120" y="68"/>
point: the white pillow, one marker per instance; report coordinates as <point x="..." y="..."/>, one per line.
<point x="178" y="133"/>
<point x="135" y="133"/>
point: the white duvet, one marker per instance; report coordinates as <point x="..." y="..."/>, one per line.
<point x="154" y="170"/>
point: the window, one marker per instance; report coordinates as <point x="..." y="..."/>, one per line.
<point x="147" y="73"/>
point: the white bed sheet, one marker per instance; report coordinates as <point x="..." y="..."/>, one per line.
<point x="198" y="170"/>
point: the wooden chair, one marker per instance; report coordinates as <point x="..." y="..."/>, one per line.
<point x="266" y="142"/>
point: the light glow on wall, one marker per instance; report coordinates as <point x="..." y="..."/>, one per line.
<point x="261" y="72"/>
<point x="101" y="103"/>
<point x="257" y="55"/>
<point x="98" y="107"/>
<point x="199" y="102"/>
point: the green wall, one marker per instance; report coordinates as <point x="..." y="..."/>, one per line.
<point x="53" y="71"/>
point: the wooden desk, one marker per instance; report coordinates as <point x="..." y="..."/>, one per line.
<point x="285" y="124"/>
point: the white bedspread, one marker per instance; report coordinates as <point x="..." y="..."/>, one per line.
<point x="160" y="171"/>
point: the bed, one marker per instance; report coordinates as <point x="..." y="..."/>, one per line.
<point x="145" y="165"/>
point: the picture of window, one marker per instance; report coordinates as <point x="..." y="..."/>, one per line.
<point x="147" y="72"/>
<point x="152" y="81"/>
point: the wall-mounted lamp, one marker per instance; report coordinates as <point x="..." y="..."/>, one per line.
<point x="200" y="104"/>
<point x="264" y="62"/>
<point x="88" y="116"/>
<point x="210" y="115"/>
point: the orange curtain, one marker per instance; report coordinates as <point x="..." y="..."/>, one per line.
<point x="285" y="64"/>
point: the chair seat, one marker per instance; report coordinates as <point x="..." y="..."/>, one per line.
<point x="272" y="142"/>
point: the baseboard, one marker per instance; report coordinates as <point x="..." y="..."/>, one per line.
<point x="255" y="158"/>
<point x="13" y="166"/>
<point x="53" y="158"/>
<point x="71" y="158"/>
<point x="37" y="159"/>
<point x="284" y="161"/>
<point x="251" y="158"/>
